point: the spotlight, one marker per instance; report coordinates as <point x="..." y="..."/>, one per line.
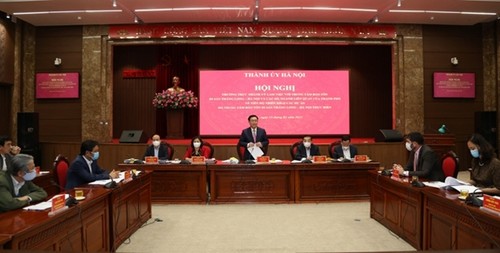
<point x="375" y="20"/>
<point x="114" y="3"/>
<point x="399" y="3"/>
<point x="7" y="16"/>
<point x="136" y="19"/>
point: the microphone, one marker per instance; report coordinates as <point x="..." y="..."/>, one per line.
<point x="70" y="201"/>
<point x="473" y="200"/>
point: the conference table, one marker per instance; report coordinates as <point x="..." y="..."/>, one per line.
<point x="431" y="218"/>
<point x="283" y="182"/>
<point x="100" y="222"/>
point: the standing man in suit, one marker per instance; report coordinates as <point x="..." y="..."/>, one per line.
<point x="345" y="149"/>
<point x="84" y="169"/>
<point x="422" y="162"/>
<point x="157" y="149"/>
<point x="16" y="188"/>
<point x="7" y="151"/>
<point x="253" y="136"/>
<point x="306" y="150"/>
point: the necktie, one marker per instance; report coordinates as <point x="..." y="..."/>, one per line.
<point x="254" y="134"/>
<point x="415" y="160"/>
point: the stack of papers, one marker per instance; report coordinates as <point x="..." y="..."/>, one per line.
<point x="451" y="182"/>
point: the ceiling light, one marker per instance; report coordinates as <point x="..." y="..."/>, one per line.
<point x="288" y="8"/>
<point x="63" y="12"/>
<point x="136" y="19"/>
<point x="399" y="3"/>
<point x="114" y="3"/>
<point x="445" y="12"/>
<point x="194" y="9"/>
<point x="375" y="20"/>
<point x="7" y="16"/>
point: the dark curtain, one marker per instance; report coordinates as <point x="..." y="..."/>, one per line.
<point x="178" y="60"/>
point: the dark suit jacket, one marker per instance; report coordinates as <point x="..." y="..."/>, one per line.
<point x="162" y="152"/>
<point x="8" y="199"/>
<point x="301" y="151"/>
<point x="8" y="162"/>
<point x="428" y="165"/>
<point x="246" y="137"/>
<point x="338" y="152"/>
<point x="79" y="173"/>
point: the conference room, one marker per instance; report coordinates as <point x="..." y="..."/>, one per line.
<point x="372" y="70"/>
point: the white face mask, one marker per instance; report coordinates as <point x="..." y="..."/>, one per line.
<point x="196" y="144"/>
<point x="156" y="143"/>
<point x="408" y="146"/>
<point x="307" y="144"/>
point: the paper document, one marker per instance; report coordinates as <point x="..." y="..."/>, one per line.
<point x="255" y="152"/>
<point x="121" y="176"/>
<point x="453" y="183"/>
<point x="42" y="205"/>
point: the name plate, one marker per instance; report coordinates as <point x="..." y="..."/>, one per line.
<point x="58" y="203"/>
<point x="491" y="202"/>
<point x="198" y="159"/>
<point x="263" y="159"/>
<point x="319" y="159"/>
<point x="361" y="158"/>
<point x="151" y="160"/>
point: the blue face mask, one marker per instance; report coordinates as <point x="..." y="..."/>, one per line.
<point x="95" y="155"/>
<point x="29" y="176"/>
<point x="474" y="153"/>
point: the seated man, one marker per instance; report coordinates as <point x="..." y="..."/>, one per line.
<point x="16" y="188"/>
<point x="345" y="150"/>
<point x="84" y="168"/>
<point x="306" y="150"/>
<point x="157" y="149"/>
<point x="253" y="136"/>
<point x="422" y="162"/>
<point x="7" y="151"/>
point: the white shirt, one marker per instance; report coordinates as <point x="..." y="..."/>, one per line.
<point x="157" y="150"/>
<point x="17" y="185"/>
<point x="4" y="166"/>
<point x="89" y="163"/>
<point x="347" y="152"/>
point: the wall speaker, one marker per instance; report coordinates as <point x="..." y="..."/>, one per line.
<point x="27" y="135"/>
<point x="388" y="135"/>
<point x="133" y="136"/>
<point x="27" y="130"/>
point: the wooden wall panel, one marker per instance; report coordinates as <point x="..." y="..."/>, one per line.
<point x="132" y="97"/>
<point x="441" y="43"/>
<point x="7" y="35"/>
<point x="59" y="119"/>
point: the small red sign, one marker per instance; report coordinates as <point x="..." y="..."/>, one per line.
<point x="197" y="159"/>
<point x="491" y="202"/>
<point x="319" y="159"/>
<point x="58" y="202"/>
<point x="263" y="159"/>
<point x="151" y="159"/>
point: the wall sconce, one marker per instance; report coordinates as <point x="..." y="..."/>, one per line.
<point x="454" y="61"/>
<point x="57" y="62"/>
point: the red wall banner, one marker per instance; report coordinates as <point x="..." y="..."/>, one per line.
<point x="248" y="30"/>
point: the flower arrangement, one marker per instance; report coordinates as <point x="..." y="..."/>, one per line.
<point x="175" y="100"/>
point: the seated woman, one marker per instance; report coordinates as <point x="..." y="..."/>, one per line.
<point x="485" y="172"/>
<point x="197" y="148"/>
